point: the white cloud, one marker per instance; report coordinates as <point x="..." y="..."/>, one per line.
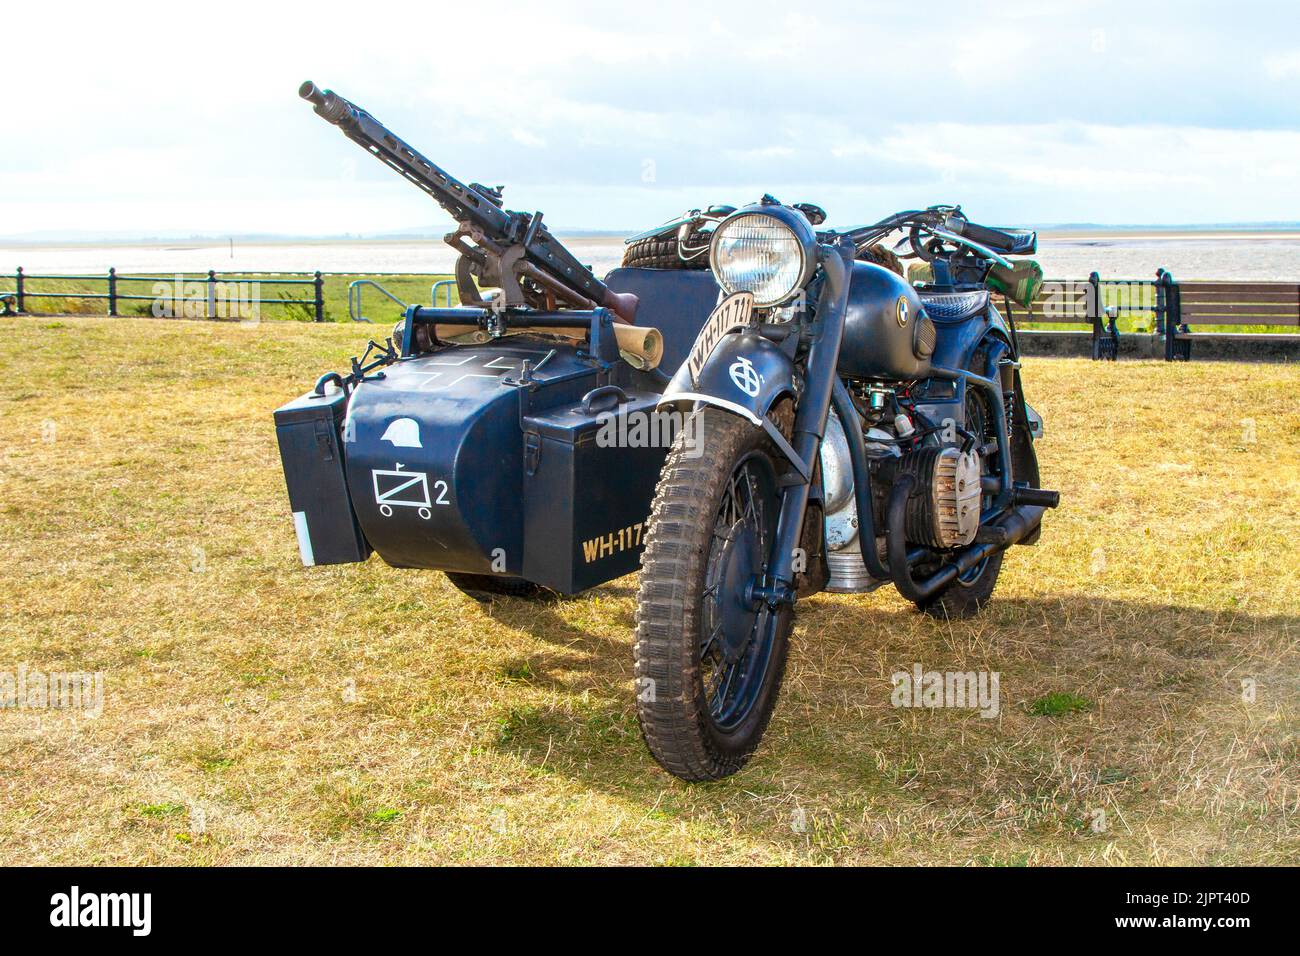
<point x="525" y="138"/>
<point x="862" y="106"/>
<point x="1281" y="66"/>
<point x="1102" y="173"/>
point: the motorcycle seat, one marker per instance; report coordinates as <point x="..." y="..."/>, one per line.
<point x="675" y="301"/>
<point x="945" y="307"/>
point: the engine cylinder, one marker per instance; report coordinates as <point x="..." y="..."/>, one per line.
<point x="944" y="511"/>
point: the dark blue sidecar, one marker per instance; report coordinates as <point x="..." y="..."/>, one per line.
<point x="508" y="458"/>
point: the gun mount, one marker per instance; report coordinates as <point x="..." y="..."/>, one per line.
<point x="509" y="250"/>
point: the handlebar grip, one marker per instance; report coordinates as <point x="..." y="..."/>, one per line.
<point x="995" y="239"/>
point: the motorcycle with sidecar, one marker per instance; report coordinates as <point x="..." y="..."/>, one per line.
<point x="753" y="411"/>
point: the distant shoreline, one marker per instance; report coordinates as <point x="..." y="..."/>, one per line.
<point x="1144" y="233"/>
<point x="1169" y="234"/>
<point x="1246" y="255"/>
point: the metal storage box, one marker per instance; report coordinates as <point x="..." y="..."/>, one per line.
<point x="309" y="430"/>
<point x="585" y="501"/>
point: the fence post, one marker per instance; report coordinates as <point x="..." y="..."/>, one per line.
<point x="112" y="290"/>
<point x="19" y="281"/>
<point x="1160" y="302"/>
<point x="1171" y="313"/>
<point x="319" y="286"/>
<point x="1183" y="349"/>
<point x="1094" y="313"/>
<point x="212" y="294"/>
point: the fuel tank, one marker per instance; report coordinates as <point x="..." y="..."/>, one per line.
<point x="887" y="333"/>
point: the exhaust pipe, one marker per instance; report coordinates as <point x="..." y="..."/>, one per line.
<point x="1010" y="529"/>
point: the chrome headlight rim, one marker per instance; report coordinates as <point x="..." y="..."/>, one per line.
<point x="801" y="231"/>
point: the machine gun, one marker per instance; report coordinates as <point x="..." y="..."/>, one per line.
<point x="512" y="251"/>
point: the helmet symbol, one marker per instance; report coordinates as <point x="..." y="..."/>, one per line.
<point x="746" y="376"/>
<point x="403" y="433"/>
<point x="901" y="312"/>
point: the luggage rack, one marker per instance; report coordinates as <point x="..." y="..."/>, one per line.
<point x="602" y="344"/>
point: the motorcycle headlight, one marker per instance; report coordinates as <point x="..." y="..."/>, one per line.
<point x="767" y="250"/>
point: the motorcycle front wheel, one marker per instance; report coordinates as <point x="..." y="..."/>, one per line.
<point x="709" y="660"/>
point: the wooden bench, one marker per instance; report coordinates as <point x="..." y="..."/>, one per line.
<point x="1225" y="303"/>
<point x="1071" y="302"/>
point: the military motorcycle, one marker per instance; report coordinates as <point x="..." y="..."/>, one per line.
<point x="831" y="426"/>
<point x="857" y="429"/>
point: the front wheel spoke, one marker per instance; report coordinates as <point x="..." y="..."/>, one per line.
<point x="726" y="684"/>
<point x="741" y="538"/>
<point x="751" y="502"/>
<point x="710" y="641"/>
<point x="734" y="495"/>
<point x="715" y="679"/>
<point x="715" y="687"/>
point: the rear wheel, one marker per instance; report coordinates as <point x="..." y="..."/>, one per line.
<point x="970" y="592"/>
<point x="967" y="595"/>
<point x="709" y="660"/>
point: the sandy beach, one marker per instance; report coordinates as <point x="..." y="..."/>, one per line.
<point x="1116" y="253"/>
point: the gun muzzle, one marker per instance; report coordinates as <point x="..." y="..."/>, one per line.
<point x="309" y="91"/>
<point x="328" y="104"/>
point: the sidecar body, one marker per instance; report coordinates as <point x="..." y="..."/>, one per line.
<point x="527" y="455"/>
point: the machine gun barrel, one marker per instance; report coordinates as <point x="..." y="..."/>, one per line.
<point x="466" y="204"/>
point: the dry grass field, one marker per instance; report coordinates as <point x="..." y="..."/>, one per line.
<point x="259" y="712"/>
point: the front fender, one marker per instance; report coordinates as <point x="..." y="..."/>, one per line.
<point x="745" y="374"/>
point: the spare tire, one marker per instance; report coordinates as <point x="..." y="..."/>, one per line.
<point x="661" y="252"/>
<point x="881" y="256"/>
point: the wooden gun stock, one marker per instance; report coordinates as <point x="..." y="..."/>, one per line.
<point x="622" y="304"/>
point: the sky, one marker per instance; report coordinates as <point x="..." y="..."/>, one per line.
<point x="136" y="119"/>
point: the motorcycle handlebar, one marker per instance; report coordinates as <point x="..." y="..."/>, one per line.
<point x="995" y="239"/>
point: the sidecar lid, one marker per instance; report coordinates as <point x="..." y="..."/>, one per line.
<point x="307" y="408"/>
<point x="573" y="424"/>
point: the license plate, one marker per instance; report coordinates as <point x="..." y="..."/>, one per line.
<point x="733" y="312"/>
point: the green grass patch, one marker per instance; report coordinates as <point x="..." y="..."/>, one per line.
<point x="1057" y="703"/>
<point x="295" y="302"/>
<point x="518" y="671"/>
